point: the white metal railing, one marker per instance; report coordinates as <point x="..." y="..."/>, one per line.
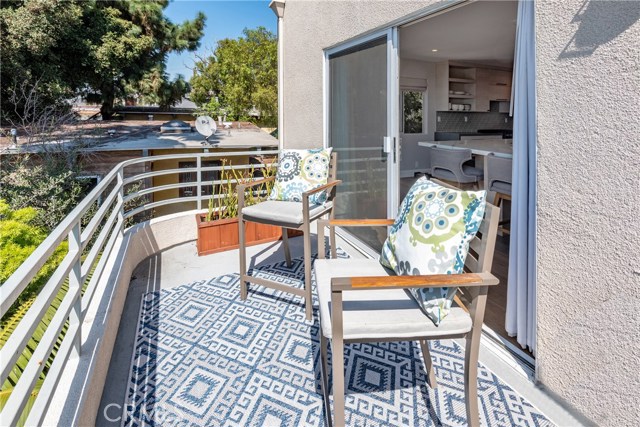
<point x="105" y="212"/>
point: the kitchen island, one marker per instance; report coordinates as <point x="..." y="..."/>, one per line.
<point x="479" y="147"/>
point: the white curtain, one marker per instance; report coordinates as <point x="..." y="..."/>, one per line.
<point x="521" y="295"/>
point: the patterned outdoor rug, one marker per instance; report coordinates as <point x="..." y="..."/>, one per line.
<point x="203" y="358"/>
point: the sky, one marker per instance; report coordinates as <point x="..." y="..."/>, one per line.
<point x="225" y="19"/>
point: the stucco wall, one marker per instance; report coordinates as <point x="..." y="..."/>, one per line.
<point x="310" y="26"/>
<point x="588" y="58"/>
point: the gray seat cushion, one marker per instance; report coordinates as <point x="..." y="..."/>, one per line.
<point x="282" y="212"/>
<point x="472" y="170"/>
<point x="377" y="314"/>
<point x="501" y="187"/>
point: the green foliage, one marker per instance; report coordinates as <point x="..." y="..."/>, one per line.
<point x="412" y="109"/>
<point x="242" y="74"/>
<point x="20" y="235"/>
<point x="47" y="185"/>
<point x="157" y="88"/>
<point x="224" y="201"/>
<point x="89" y="46"/>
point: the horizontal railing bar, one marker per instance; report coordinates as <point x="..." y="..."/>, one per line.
<point x="165" y="187"/>
<point x="97" y="246"/>
<point x="162" y="172"/>
<point x="160" y="203"/>
<point x="14" y="346"/>
<point x="97" y="273"/>
<point x="88" y="231"/>
<point x="222" y="154"/>
<point x="54" y="374"/>
<point x="22" y="390"/>
<point x="256" y="166"/>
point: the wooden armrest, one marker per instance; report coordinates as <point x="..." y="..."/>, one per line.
<point x="339" y="284"/>
<point x="242" y="187"/>
<point x="358" y="222"/>
<point x="321" y="188"/>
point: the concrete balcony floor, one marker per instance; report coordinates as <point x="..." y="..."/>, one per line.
<point x="180" y="266"/>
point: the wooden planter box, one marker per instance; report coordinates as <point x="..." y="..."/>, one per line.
<point x="222" y="234"/>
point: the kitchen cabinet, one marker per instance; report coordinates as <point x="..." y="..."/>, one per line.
<point x="456" y="87"/>
<point x="492" y="85"/>
<point x="458" y="84"/>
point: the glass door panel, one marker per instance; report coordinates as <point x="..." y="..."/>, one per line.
<point x="358" y="111"/>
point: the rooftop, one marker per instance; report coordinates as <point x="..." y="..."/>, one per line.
<point x="136" y="135"/>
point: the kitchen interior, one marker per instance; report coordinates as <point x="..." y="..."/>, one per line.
<point x="456" y="90"/>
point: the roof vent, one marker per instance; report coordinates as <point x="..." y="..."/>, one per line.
<point x="175" y="126"/>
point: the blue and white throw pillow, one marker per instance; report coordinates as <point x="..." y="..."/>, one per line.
<point x="300" y="171"/>
<point x="431" y="235"/>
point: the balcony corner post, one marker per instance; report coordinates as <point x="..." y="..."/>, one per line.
<point x="75" y="287"/>
<point x="120" y="183"/>
<point x="199" y="175"/>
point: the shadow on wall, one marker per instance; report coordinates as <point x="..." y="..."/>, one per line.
<point x="598" y="23"/>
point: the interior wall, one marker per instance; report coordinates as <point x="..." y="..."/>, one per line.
<point x="416" y="75"/>
<point x="588" y="296"/>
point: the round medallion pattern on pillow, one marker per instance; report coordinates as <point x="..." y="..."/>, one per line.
<point x="315" y="168"/>
<point x="289" y="166"/>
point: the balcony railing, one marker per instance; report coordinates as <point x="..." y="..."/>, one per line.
<point x="91" y="231"/>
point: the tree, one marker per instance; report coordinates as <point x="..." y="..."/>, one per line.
<point x="88" y="46"/>
<point x="240" y="75"/>
<point x="45" y="176"/>
<point x="157" y="88"/>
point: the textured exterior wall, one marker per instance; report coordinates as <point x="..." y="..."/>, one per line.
<point x="309" y="27"/>
<point x="588" y="79"/>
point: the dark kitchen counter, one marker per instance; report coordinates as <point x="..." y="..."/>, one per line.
<point x="454" y="136"/>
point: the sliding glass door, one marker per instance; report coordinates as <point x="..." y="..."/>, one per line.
<point x="361" y="126"/>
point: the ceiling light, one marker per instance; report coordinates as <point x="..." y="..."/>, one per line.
<point x="434" y="50"/>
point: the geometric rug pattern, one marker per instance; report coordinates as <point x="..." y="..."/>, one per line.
<point x="205" y="358"/>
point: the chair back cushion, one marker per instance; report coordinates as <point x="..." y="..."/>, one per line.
<point x="300" y="171"/>
<point x="431" y="235"/>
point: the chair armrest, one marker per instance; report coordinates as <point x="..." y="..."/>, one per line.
<point x="240" y="188"/>
<point x="374" y="222"/>
<point x="321" y="188"/>
<point x="339" y="284"/>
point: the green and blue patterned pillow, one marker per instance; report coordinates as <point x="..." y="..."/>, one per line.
<point x="431" y="235"/>
<point x="300" y="171"/>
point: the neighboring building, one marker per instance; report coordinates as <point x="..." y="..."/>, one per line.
<point x="584" y="308"/>
<point x="134" y="139"/>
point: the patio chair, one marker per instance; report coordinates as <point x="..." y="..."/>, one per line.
<point x="498" y="179"/>
<point x="454" y="165"/>
<point x="361" y="301"/>
<point x="288" y="215"/>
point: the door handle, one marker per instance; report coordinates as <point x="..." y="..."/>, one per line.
<point x="387" y="145"/>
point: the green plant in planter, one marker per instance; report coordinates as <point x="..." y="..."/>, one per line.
<point x="223" y="203"/>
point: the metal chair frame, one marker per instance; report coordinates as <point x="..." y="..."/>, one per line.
<point x="305" y="227"/>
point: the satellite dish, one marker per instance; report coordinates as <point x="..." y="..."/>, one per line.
<point x="206" y="126"/>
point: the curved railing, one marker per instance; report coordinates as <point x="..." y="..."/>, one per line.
<point x="91" y="231"/>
